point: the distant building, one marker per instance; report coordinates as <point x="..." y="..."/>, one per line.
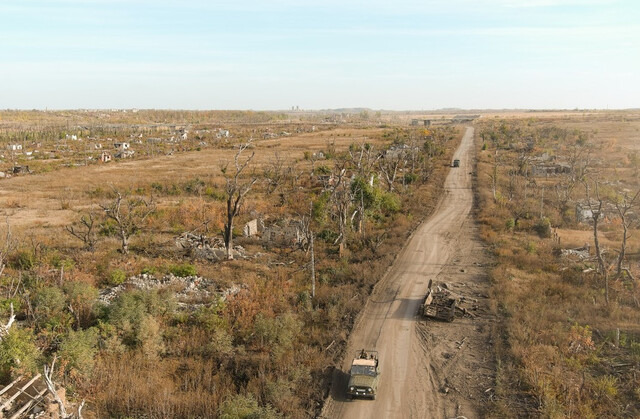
<point x="105" y="157"/>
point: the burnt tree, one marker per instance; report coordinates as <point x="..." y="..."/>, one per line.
<point x="128" y="213"/>
<point x="235" y="190"/>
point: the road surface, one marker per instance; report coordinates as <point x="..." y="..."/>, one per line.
<point x="410" y="384"/>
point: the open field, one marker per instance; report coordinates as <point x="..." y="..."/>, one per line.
<point x="567" y="333"/>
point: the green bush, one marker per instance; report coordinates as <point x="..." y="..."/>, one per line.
<point x="148" y="270"/>
<point x="543" y="228"/>
<point x="183" y="270"/>
<point x="24" y="260"/>
<point x="510" y="224"/>
<point x="134" y="314"/>
<point x="117" y="277"/>
<point x="50" y="309"/>
<point x="78" y="351"/>
<point x="18" y="353"/>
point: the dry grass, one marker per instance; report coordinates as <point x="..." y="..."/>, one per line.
<point x="555" y="339"/>
<point x="186" y="362"/>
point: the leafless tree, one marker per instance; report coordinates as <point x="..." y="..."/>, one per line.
<point x="494" y="176"/>
<point x="129" y="213"/>
<point x="85" y="230"/>
<point x="275" y="173"/>
<point x="7" y="247"/>
<point x="51" y="388"/>
<point x="595" y="204"/>
<point x="624" y="205"/>
<point x="341" y="202"/>
<point x="364" y="158"/>
<point x="579" y="159"/>
<point x="235" y="190"/>
<point x="4" y="328"/>
<point x="389" y="166"/>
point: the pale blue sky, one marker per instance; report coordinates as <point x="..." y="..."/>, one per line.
<point x="273" y="54"/>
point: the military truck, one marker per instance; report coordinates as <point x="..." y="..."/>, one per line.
<point x="456" y="163"/>
<point x="364" y="374"/>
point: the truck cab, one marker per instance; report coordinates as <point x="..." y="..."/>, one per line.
<point x="364" y="374"/>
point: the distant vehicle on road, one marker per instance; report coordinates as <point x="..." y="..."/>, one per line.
<point x="456" y="163"/>
<point x="364" y="374"/>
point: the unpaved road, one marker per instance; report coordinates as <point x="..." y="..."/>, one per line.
<point x="429" y="369"/>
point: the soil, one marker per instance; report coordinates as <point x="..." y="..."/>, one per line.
<point x="429" y="369"/>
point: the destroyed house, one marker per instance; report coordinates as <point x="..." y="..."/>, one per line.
<point x="290" y="233"/>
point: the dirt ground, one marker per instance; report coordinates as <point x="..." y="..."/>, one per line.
<point x="428" y="369"/>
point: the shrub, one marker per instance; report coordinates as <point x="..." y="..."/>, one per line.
<point x="18" y="352"/>
<point x="543" y="228"/>
<point x="183" y="270"/>
<point x="78" y="350"/>
<point x="133" y="315"/>
<point x="24" y="260"/>
<point x="245" y="407"/>
<point x="510" y="224"/>
<point x="49" y="309"/>
<point x="410" y="178"/>
<point x="117" y="277"/>
<point x="148" y="270"/>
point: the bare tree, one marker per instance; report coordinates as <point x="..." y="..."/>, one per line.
<point x="624" y="205"/>
<point x="85" y="230"/>
<point x="363" y="157"/>
<point x="129" y="213"/>
<point x="236" y="190"/>
<point x="51" y="388"/>
<point x="595" y="206"/>
<point x="275" y="173"/>
<point x="494" y="176"/>
<point x="4" y="328"/>
<point x="341" y="198"/>
<point x="389" y="166"/>
<point x="579" y="160"/>
<point x="7" y="247"/>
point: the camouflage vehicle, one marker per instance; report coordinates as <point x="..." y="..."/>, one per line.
<point x="456" y="163"/>
<point x="363" y="377"/>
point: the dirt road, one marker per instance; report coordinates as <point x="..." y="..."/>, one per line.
<point x="429" y="369"/>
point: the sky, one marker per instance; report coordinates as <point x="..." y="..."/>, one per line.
<point x="319" y="54"/>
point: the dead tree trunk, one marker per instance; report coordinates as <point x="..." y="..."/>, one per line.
<point x="51" y="388"/>
<point x="596" y="213"/>
<point x="85" y="230"/>
<point x="623" y="207"/>
<point x="236" y="191"/>
<point x="128" y="213"/>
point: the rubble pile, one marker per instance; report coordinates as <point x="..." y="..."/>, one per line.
<point x="581" y="253"/>
<point x="199" y="246"/>
<point x="186" y="287"/>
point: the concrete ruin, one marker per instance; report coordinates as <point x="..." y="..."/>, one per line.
<point x="288" y="233"/>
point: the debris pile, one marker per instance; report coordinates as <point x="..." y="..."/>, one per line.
<point x="581" y="253"/>
<point x="185" y="287"/>
<point x="199" y="246"/>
